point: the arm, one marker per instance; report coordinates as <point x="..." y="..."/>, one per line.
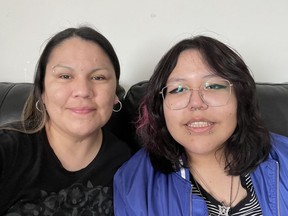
<point x="119" y="203"/>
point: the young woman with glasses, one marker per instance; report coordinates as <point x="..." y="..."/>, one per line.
<point x="206" y="150"/>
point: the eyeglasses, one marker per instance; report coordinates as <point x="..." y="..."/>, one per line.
<point x="214" y="92"/>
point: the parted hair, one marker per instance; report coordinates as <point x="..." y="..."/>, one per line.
<point x="249" y="144"/>
<point x="34" y="120"/>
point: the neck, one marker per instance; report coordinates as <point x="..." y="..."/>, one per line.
<point x="209" y="171"/>
<point x="219" y="185"/>
<point x="209" y="162"/>
<point x="74" y="153"/>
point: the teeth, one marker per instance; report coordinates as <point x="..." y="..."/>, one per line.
<point x="199" y="124"/>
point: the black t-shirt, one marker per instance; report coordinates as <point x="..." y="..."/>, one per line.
<point x="33" y="181"/>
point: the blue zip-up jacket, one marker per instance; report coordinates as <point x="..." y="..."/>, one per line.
<point x="140" y="190"/>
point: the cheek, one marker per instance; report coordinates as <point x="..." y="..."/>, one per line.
<point x="107" y="102"/>
<point x="55" y="92"/>
<point x="52" y="98"/>
<point x="232" y="110"/>
<point x="231" y="118"/>
<point x="107" y="96"/>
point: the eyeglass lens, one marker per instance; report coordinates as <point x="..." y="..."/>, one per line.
<point x="215" y="92"/>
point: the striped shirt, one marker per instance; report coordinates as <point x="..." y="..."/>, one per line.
<point x="249" y="206"/>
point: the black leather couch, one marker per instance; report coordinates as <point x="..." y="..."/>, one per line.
<point x="272" y="98"/>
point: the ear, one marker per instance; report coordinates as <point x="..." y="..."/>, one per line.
<point x="116" y="100"/>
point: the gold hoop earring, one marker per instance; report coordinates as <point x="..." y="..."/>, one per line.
<point x="120" y="107"/>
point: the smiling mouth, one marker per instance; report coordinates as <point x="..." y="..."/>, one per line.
<point x="82" y="110"/>
<point x="201" y="124"/>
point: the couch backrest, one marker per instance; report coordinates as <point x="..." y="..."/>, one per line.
<point x="12" y="99"/>
<point x="273" y="105"/>
<point x="14" y="95"/>
<point x="272" y="99"/>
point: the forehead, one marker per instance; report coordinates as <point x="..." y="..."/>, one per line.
<point x="191" y="65"/>
<point x="191" y="55"/>
<point x="191" y="58"/>
<point x="78" y="48"/>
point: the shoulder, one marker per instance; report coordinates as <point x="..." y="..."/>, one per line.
<point x="14" y="143"/>
<point x="17" y="151"/>
<point x="113" y="143"/>
<point x="110" y="139"/>
<point x="12" y="138"/>
<point x="114" y="148"/>
<point x="279" y="150"/>
<point x="137" y="178"/>
<point x="138" y="186"/>
<point x="139" y="164"/>
<point x="279" y="142"/>
<point x="9" y="134"/>
<point x="139" y="159"/>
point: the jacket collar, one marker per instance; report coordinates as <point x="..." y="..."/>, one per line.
<point x="265" y="181"/>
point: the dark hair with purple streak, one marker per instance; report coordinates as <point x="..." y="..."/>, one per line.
<point x="249" y="144"/>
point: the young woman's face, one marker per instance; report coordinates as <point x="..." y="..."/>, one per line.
<point x="203" y="123"/>
<point x="80" y="86"/>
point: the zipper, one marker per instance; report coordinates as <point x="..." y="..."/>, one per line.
<point x="191" y="200"/>
<point x="278" y="187"/>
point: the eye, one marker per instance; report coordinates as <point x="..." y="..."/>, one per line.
<point x="216" y="85"/>
<point x="98" y="77"/>
<point x="65" y="76"/>
<point x="177" y="89"/>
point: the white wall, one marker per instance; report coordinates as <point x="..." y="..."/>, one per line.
<point x="141" y="31"/>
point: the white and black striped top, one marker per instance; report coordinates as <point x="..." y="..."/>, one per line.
<point x="249" y="206"/>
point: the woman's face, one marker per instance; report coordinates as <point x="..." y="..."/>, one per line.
<point x="200" y="127"/>
<point x="80" y="86"/>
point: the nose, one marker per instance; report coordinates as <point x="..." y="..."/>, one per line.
<point x="196" y="101"/>
<point x="82" y="88"/>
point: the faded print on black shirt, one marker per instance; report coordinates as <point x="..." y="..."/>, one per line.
<point x="75" y="200"/>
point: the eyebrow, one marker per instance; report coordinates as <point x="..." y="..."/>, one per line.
<point x="70" y="68"/>
<point x="63" y="66"/>
<point x="179" y="79"/>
